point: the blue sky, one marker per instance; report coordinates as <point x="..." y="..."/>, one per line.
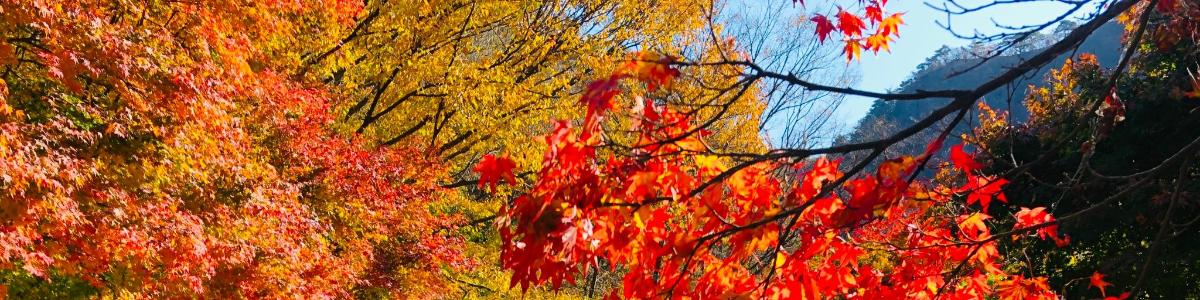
<point x="921" y="36"/>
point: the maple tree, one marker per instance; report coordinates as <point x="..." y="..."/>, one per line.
<point x="661" y="215"/>
<point x="312" y="149"/>
<point x="682" y="220"/>
<point x="464" y="79"/>
<point x="161" y="150"/>
<point x="120" y="110"/>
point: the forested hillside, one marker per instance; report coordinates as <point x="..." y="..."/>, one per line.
<point x="478" y="149"/>
<point x="962" y="68"/>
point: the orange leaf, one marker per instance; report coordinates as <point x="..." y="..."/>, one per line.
<point x="7" y="54"/>
<point x="891" y="24"/>
<point x="876" y="42"/>
<point x="653" y="69"/>
<point x="973" y="226"/>
<point x="853" y="50"/>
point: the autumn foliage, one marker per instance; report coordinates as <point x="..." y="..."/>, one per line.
<point x="681" y="223"/>
<point x="345" y="149"/>
<point x="857" y="35"/>
<point x="152" y="160"/>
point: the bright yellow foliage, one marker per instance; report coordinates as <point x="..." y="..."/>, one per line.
<point x="466" y="78"/>
<point x="478" y="77"/>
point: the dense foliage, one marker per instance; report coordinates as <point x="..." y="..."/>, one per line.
<point x="160" y="150"/>
<point x="500" y="149"/>
<point x="750" y="232"/>
<point x="1158" y="94"/>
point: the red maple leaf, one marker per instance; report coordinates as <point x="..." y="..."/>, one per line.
<point x="824" y="27"/>
<point x="874" y="13"/>
<point x="1031" y="217"/>
<point x="962" y="160"/>
<point x="599" y="96"/>
<point x="492" y="169"/>
<point x="850" y="24"/>
<point x="1097" y="281"/>
<point x="983" y="189"/>
<point x="1037" y="216"/>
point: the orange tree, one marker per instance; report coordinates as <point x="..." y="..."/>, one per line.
<point x="176" y="149"/>
<point x="173" y="149"/>
<point x="159" y="149"/>
<point x="680" y="219"/>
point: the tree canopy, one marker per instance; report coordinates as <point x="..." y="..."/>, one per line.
<point x="581" y="148"/>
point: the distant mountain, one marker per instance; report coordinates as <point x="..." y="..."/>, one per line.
<point x="887" y="117"/>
